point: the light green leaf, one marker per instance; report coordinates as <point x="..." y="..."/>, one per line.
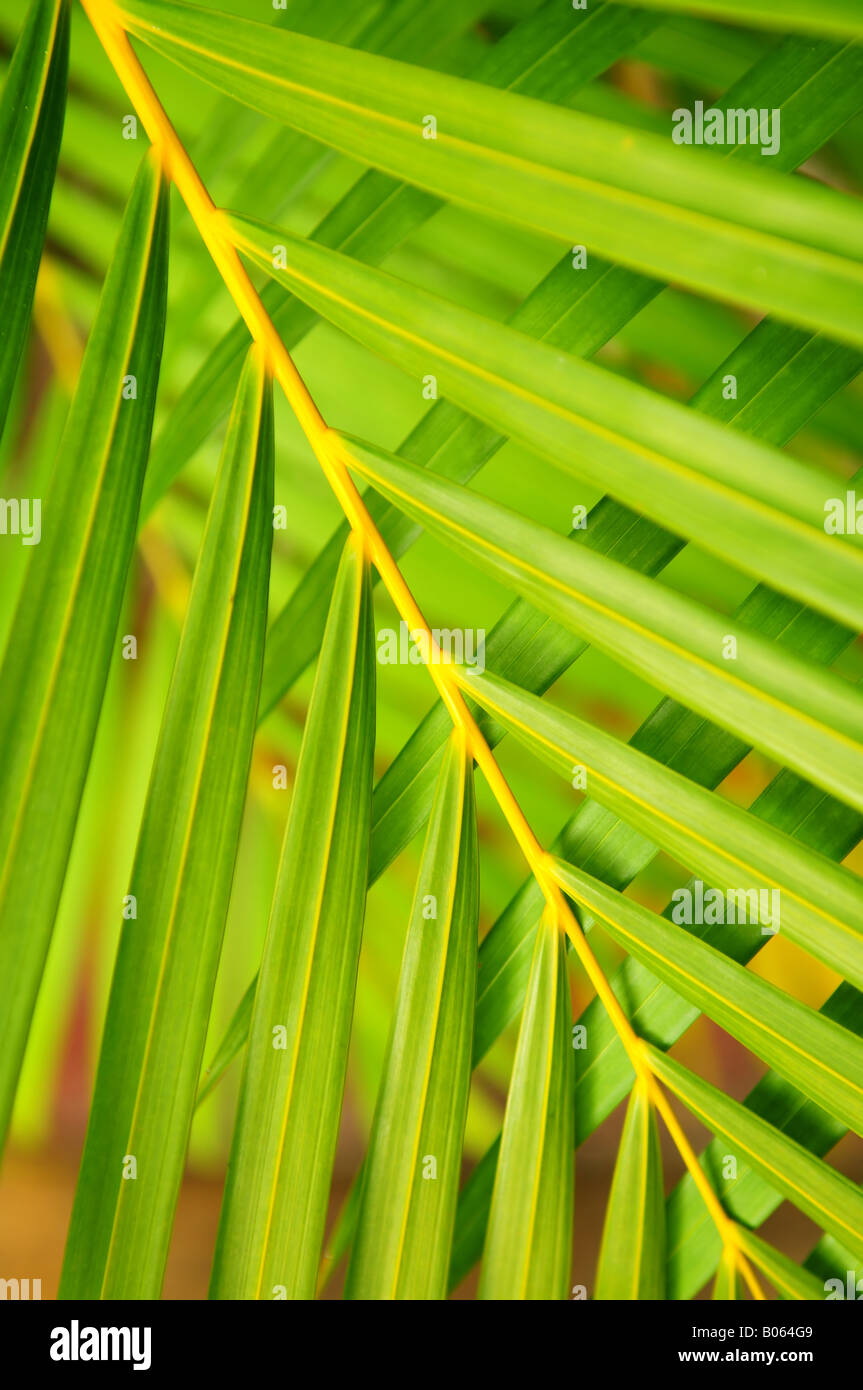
<point x="64" y="632"/>
<point x="181" y="883"/>
<point x="407" y="1210"/>
<point x="829" y="1198"/>
<point x="636" y="198"/>
<point x="528" y="1247"/>
<point x="272" y="1224"/>
<point x="31" y="125"/>
<point x="807" y="718"/>
<point x="632" y="1257"/>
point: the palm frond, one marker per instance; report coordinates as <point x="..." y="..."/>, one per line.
<point x="446" y="212"/>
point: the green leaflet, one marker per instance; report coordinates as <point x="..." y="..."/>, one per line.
<point x="632" y="1258"/>
<point x="829" y="1198"/>
<point x="803" y="1045"/>
<point x="827" y="17"/>
<point x="407" y="1209"/>
<point x="181" y="883"/>
<point x="234" y="1039"/>
<point x="821" y="904"/>
<point x="31" y="124"/>
<point x="760" y="509"/>
<point x="528" y="1246"/>
<point x="548" y="54"/>
<point x="807" y="718"/>
<point x="643" y="201"/>
<point x="787" y="1278"/>
<point x="64" y="632"/>
<point x="275" y="1201"/>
